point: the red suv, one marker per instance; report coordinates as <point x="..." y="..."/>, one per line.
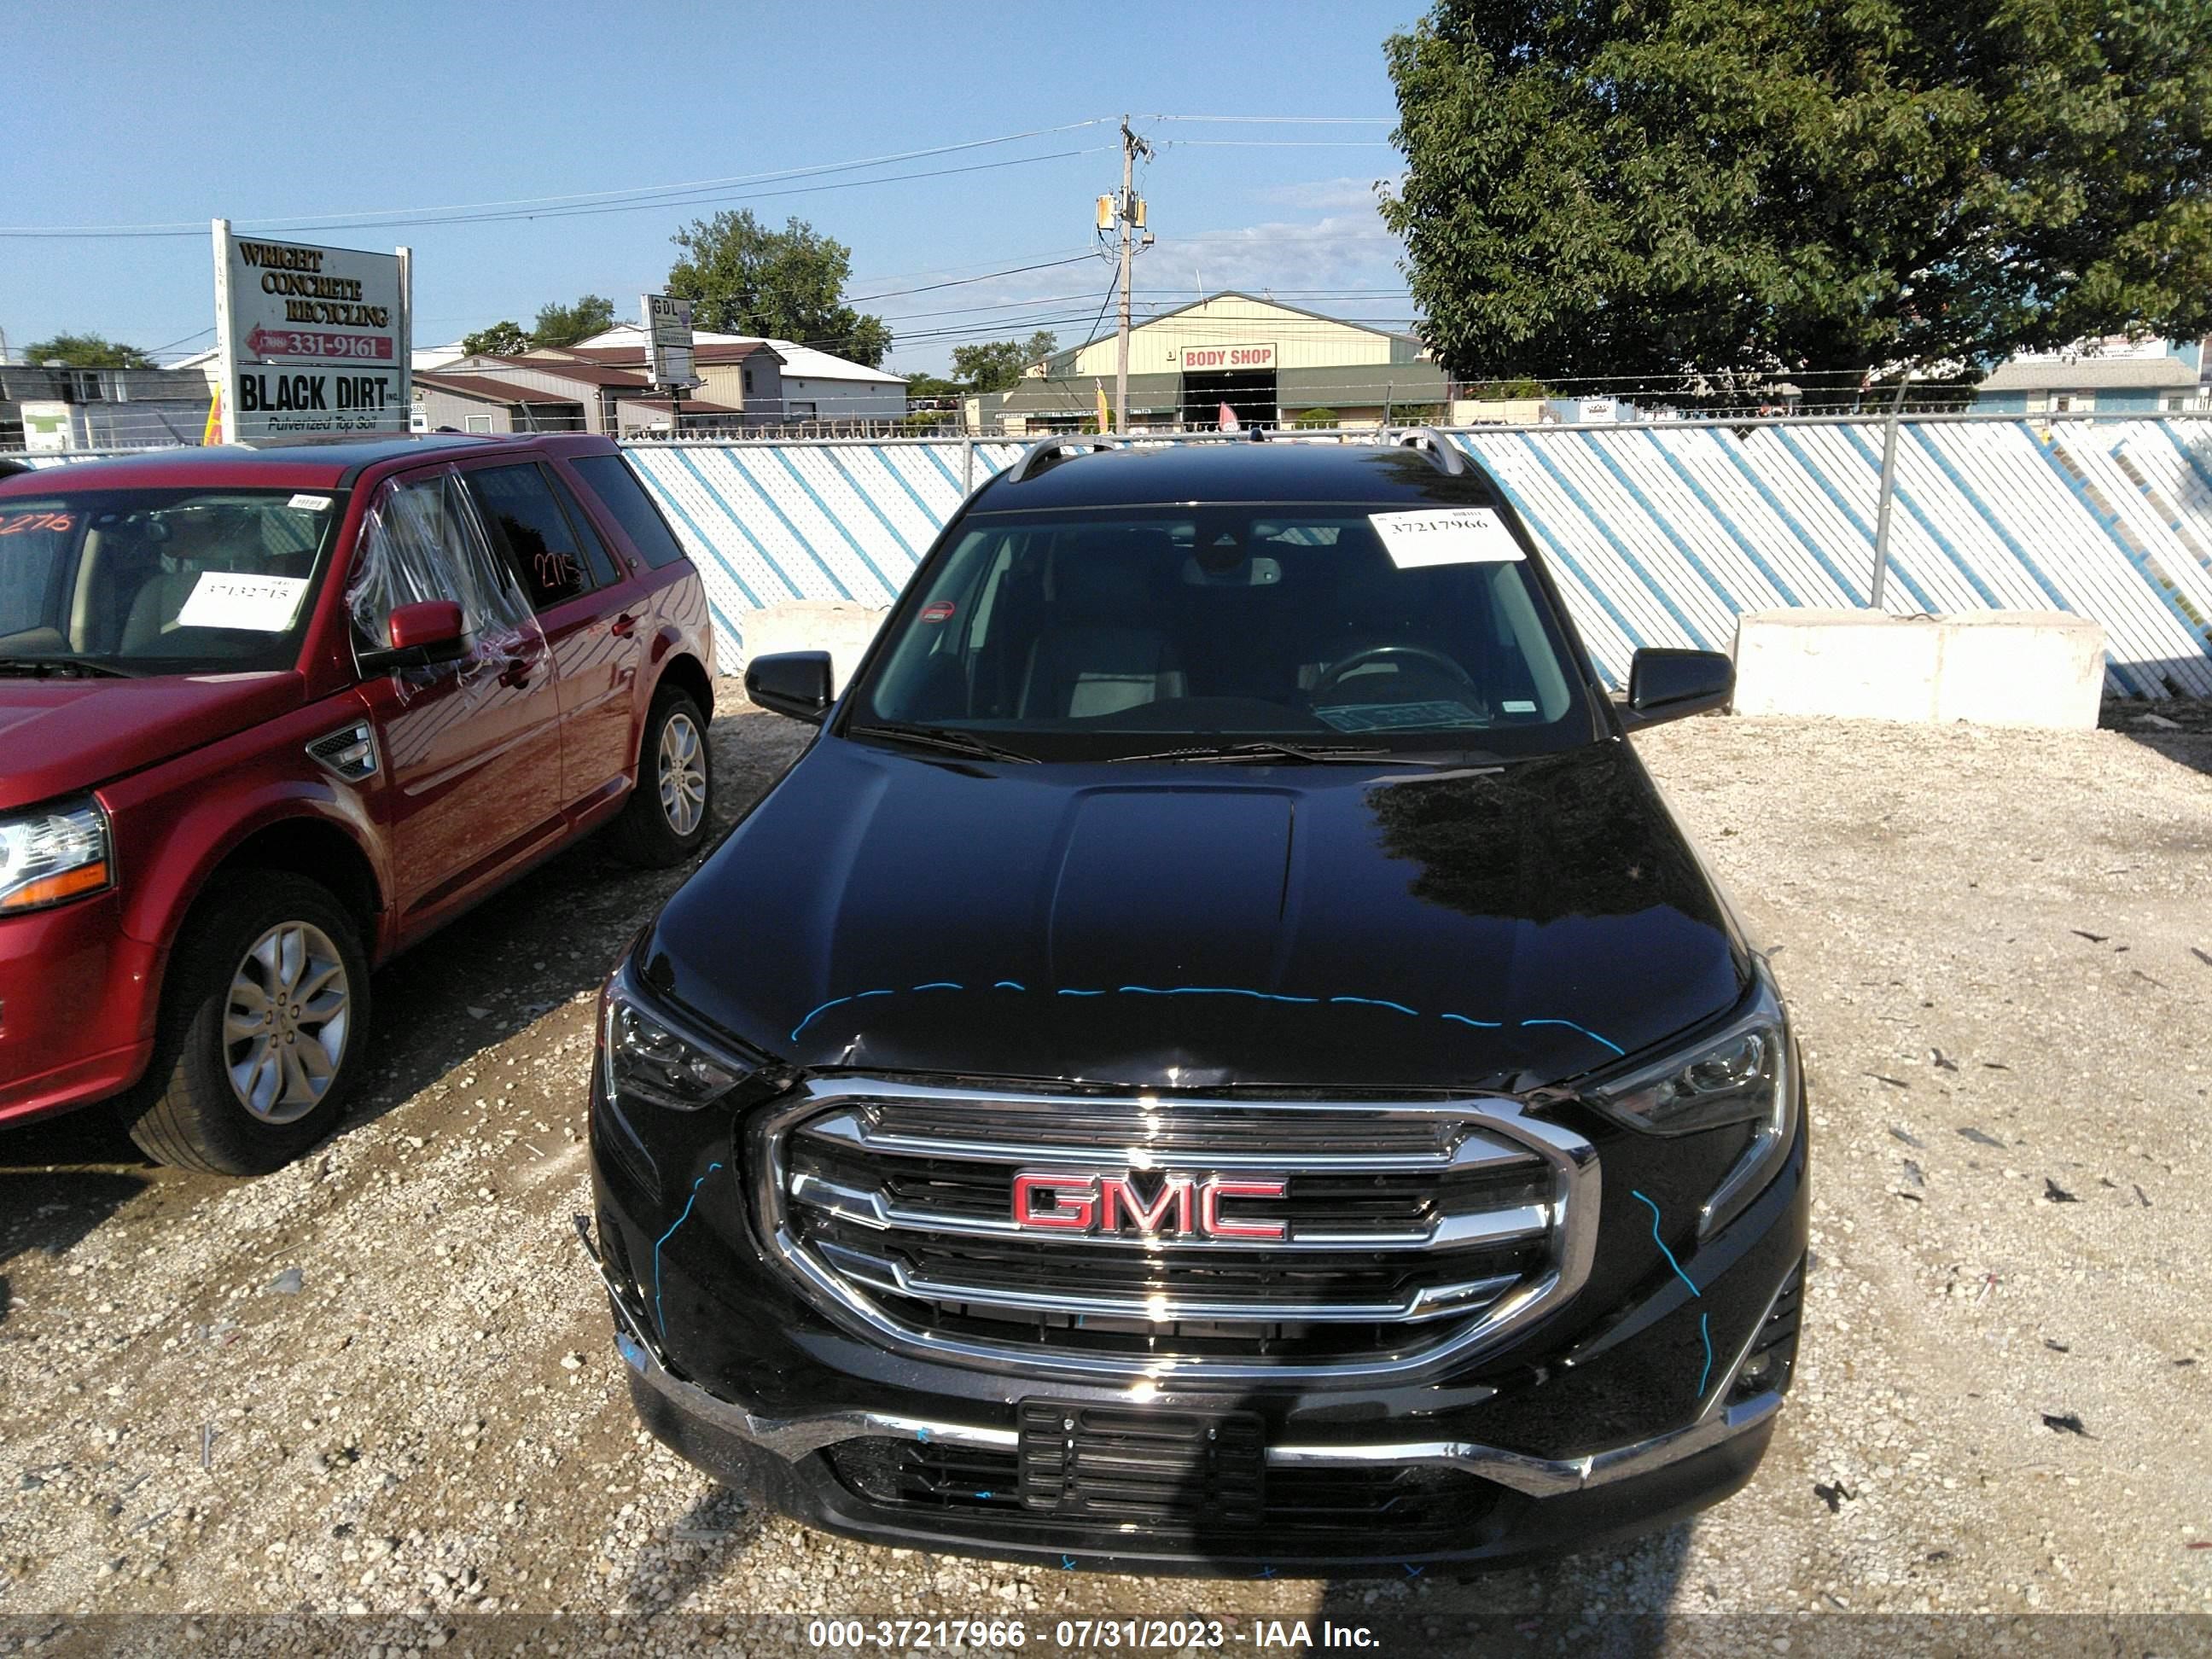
<point x="268" y="716"/>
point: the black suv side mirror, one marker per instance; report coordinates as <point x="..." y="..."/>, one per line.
<point x="794" y="682"/>
<point x="1665" y="685"/>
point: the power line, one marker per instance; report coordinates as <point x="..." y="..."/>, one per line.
<point x="368" y="218"/>
<point x="1283" y="120"/>
<point x="640" y="199"/>
<point x="1278" y="143"/>
<point x="1109" y="300"/>
<point x="893" y="293"/>
<point x="661" y="202"/>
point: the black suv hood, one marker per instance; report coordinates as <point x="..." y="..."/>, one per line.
<point x="1202" y="926"/>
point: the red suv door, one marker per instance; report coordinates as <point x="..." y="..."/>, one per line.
<point x="591" y="613"/>
<point x="473" y="747"/>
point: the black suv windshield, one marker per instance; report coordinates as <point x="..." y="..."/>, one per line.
<point x="1182" y="631"/>
<point x="159" y="581"/>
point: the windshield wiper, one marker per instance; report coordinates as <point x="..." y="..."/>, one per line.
<point x="1266" y="749"/>
<point x="68" y="667"/>
<point x="941" y="737"/>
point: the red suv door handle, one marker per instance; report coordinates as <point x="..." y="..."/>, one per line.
<point x="516" y="673"/>
<point x="621" y="626"/>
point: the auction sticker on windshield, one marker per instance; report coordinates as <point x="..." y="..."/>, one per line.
<point x="225" y="599"/>
<point x="1456" y="535"/>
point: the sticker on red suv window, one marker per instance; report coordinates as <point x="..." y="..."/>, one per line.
<point x="938" y="610"/>
<point x="228" y="598"/>
<point x="17" y="524"/>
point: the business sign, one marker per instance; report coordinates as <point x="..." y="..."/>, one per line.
<point x="2108" y="348"/>
<point x="312" y="339"/>
<point x="1204" y="360"/>
<point x="668" y="341"/>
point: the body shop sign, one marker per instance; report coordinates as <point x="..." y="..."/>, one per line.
<point x="313" y="339"/>
<point x="1231" y="359"/>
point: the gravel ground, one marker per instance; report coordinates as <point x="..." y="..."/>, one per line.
<point x="381" y="1383"/>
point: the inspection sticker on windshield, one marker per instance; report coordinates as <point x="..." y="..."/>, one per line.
<point x="1455" y="535"/>
<point x="309" y="503"/>
<point x="230" y="599"/>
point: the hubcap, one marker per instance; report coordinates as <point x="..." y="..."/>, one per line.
<point x="284" y="1025"/>
<point x="682" y="774"/>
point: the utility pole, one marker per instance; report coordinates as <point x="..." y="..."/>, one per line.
<point x="1888" y="489"/>
<point x="1129" y="214"/>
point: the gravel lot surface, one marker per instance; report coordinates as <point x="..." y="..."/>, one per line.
<point x="381" y="1381"/>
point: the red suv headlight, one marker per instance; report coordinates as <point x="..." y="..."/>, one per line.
<point x="50" y="855"/>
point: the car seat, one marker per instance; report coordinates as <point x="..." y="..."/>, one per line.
<point x="1100" y="651"/>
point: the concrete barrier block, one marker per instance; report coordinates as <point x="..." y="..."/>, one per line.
<point x="1859" y="664"/>
<point x="2022" y="668"/>
<point x="842" y="627"/>
<point x="1993" y="667"/>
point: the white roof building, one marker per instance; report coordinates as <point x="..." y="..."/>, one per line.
<point x="817" y="386"/>
<point x="2112" y="376"/>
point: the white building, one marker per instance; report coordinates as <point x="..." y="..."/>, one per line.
<point x="813" y="386"/>
<point x="2114" y="375"/>
<point x="817" y="386"/>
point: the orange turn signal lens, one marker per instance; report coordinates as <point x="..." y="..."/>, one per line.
<point x="53" y="889"/>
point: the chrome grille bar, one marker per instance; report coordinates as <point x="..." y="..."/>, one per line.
<point x="1444" y="1225"/>
<point x="1428" y="1301"/>
<point x="1455" y="1231"/>
<point x="1473" y="1151"/>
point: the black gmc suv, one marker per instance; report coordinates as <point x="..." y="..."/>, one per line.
<point x="1217" y="1058"/>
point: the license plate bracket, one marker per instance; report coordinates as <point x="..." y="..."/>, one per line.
<point x="1124" y="1463"/>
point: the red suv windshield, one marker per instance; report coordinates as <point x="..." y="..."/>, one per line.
<point x="161" y="581"/>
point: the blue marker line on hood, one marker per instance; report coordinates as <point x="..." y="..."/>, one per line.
<point x="1213" y="991"/>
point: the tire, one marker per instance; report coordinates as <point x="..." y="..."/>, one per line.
<point x="671" y="808"/>
<point x="246" y="935"/>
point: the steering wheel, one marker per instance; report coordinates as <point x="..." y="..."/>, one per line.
<point x="1343" y="666"/>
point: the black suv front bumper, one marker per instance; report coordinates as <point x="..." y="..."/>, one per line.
<point x="1638" y="1412"/>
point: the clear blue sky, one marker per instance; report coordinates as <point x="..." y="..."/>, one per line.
<point x="173" y="113"/>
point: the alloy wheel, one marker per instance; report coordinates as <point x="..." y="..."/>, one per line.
<point x="285" y="1022"/>
<point x="683" y="774"/>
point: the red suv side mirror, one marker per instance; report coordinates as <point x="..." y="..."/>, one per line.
<point x="429" y="631"/>
<point x="426" y="626"/>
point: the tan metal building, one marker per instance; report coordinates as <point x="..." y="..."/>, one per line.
<point x="1272" y="364"/>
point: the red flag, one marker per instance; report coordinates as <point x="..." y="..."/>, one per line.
<point x="1229" y="420"/>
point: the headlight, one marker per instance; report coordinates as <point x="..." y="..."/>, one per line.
<point x="648" y="1057"/>
<point x="1744" y="1073"/>
<point x="52" y="854"/>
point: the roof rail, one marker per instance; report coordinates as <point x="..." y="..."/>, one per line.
<point x="1450" y="459"/>
<point x="1052" y="449"/>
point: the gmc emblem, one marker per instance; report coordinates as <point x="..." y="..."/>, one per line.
<point x="1085" y="1201"/>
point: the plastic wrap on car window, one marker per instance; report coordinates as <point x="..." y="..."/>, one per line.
<point x="425" y="540"/>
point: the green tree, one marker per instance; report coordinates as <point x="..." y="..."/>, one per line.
<point x="1751" y="185"/>
<point x="933" y="386"/>
<point x="86" y="351"/>
<point x="744" y="278"/>
<point x="997" y="365"/>
<point x="502" y="340"/>
<point x="563" y="325"/>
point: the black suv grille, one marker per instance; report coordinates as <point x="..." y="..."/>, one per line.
<point x="1399" y="1230"/>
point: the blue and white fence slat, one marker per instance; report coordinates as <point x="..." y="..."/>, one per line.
<point x="2099" y="558"/>
<point x="1658" y="534"/>
<point x="2164" y="533"/>
<point x="2156" y="491"/>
